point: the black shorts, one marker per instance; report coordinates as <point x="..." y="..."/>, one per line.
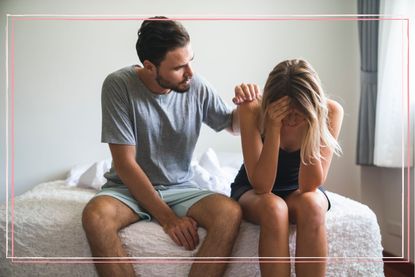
<point x="239" y="189"/>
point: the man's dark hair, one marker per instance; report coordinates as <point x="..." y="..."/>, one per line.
<point x="157" y="36"/>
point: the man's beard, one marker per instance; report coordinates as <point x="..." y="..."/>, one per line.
<point x="167" y="85"/>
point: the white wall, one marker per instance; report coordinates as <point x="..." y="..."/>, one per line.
<point x="60" y="66"/>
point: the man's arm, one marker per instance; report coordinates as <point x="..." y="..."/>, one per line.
<point x="234" y="129"/>
<point x="183" y="230"/>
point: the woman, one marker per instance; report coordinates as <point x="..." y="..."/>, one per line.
<point x="288" y="140"/>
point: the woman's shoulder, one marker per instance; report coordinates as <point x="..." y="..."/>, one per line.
<point x="335" y="116"/>
<point x="334" y="108"/>
<point x="251" y="107"/>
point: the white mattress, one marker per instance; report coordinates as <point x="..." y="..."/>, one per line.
<point x="47" y="224"/>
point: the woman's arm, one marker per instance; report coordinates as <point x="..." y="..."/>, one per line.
<point x="255" y="152"/>
<point x="314" y="174"/>
<point x="261" y="159"/>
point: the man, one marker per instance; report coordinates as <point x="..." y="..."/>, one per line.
<point x="151" y="119"/>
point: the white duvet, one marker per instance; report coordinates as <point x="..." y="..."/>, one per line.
<point x="49" y="240"/>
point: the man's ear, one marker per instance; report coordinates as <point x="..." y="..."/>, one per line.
<point x="149" y="66"/>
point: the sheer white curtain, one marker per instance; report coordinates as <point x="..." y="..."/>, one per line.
<point x="392" y="98"/>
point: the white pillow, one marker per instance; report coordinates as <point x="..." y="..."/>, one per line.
<point x="89" y="175"/>
<point x="210" y="172"/>
<point x="93" y="177"/>
<point x="211" y="175"/>
<point x="75" y="173"/>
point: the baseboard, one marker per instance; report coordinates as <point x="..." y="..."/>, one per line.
<point x="399" y="264"/>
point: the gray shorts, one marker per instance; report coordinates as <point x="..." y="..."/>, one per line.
<point x="179" y="197"/>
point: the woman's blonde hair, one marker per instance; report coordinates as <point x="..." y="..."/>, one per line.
<point x="298" y="80"/>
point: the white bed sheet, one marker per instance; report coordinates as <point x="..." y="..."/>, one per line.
<point x="47" y="224"/>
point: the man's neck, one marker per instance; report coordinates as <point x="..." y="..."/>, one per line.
<point x="149" y="82"/>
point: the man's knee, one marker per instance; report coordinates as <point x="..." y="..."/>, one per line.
<point x="98" y="216"/>
<point x="226" y="213"/>
<point x="217" y="211"/>
<point x="232" y="212"/>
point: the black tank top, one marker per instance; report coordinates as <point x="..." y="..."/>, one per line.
<point x="287" y="172"/>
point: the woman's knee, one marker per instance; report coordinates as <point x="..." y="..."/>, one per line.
<point x="311" y="210"/>
<point x="272" y="211"/>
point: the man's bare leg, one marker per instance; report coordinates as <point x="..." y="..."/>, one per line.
<point x="102" y="218"/>
<point x="221" y="217"/>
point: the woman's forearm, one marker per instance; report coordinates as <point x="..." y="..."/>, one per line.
<point x="310" y="176"/>
<point x="265" y="170"/>
<point x="260" y="157"/>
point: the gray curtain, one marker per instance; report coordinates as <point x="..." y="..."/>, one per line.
<point x="368" y="40"/>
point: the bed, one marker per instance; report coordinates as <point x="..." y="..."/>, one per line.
<point x="49" y="240"/>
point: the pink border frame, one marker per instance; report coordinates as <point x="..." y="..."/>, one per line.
<point x="83" y="260"/>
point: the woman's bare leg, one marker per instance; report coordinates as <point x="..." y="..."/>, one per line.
<point x="271" y="213"/>
<point x="308" y="211"/>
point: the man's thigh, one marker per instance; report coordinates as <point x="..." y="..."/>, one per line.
<point x="180" y="200"/>
<point x="123" y="195"/>
<point x="210" y="208"/>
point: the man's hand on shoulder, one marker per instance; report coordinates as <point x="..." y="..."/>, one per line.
<point x="246" y="93"/>
<point x="248" y="100"/>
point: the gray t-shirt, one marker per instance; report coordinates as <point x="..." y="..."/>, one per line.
<point x="164" y="128"/>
